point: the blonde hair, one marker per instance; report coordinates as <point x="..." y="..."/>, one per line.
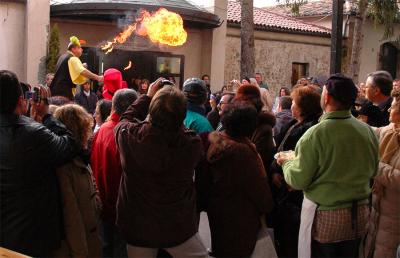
<point x="77" y="120"/>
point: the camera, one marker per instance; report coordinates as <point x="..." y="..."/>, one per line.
<point x="166" y="82"/>
<point x="34" y="95"/>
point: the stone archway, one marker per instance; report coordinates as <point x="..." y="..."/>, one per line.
<point x="388" y="58"/>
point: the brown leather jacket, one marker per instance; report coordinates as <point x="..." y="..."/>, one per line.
<point x="157" y="200"/>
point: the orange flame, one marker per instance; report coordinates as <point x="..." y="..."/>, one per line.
<point x="162" y="27"/>
<point x="128" y="66"/>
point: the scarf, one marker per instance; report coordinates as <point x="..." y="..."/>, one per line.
<point x="390" y="143"/>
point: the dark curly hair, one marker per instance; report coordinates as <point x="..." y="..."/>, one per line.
<point x="240" y="120"/>
<point x="308" y="100"/>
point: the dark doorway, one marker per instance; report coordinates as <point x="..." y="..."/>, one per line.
<point x="388" y="58"/>
<point x="299" y="70"/>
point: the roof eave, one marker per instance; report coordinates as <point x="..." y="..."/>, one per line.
<point x="110" y="11"/>
<point x="281" y="29"/>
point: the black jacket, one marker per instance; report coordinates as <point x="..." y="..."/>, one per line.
<point x="30" y="214"/>
<point x="89" y="103"/>
<point x="282" y="119"/>
<point x="62" y="84"/>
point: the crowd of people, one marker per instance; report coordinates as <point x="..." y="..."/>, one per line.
<point x="128" y="175"/>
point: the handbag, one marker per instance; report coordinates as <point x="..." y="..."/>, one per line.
<point x="265" y="245"/>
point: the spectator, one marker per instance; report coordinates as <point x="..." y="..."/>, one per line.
<point x="396" y="84"/>
<point x="196" y="93"/>
<point x="379" y="85"/>
<point x="70" y="71"/>
<point x="262" y="136"/>
<point x="233" y="86"/>
<point x="265" y="96"/>
<point x="384" y="224"/>
<point x="81" y="205"/>
<point x="213" y="115"/>
<point x="107" y="170"/>
<point x="225" y="101"/>
<point x="86" y="98"/>
<point x="206" y="79"/>
<point x="159" y="155"/>
<point x="283" y="91"/>
<point x="235" y="186"/>
<point x="283" y="115"/>
<point x="260" y="82"/>
<point x="29" y="154"/>
<point x="144" y="86"/>
<point x="49" y="79"/>
<point x="246" y="81"/>
<point x="306" y="111"/>
<point x="323" y="158"/>
<point x="103" y="110"/>
<point x="112" y="83"/>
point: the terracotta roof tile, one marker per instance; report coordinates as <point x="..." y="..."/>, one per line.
<point x="273" y="21"/>
<point x="312" y="8"/>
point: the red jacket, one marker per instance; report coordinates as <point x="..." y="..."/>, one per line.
<point x="106" y="166"/>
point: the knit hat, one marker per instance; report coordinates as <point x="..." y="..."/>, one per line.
<point x="112" y="83"/>
<point x="195" y="91"/>
<point x="342" y="88"/>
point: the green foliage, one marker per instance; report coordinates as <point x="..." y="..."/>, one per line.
<point x="386" y="13"/>
<point x="54" y="49"/>
<point x="293" y="4"/>
<point x="382" y="12"/>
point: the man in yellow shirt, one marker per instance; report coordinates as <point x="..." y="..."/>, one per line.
<point x="70" y="71"/>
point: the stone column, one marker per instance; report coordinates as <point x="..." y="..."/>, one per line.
<point x="218" y="7"/>
<point x="37" y="28"/>
<point x="12" y="42"/>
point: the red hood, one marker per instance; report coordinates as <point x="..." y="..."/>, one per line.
<point x="112" y="82"/>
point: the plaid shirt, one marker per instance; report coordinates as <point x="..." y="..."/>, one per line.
<point x="335" y="225"/>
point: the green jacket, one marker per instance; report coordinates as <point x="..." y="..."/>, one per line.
<point x="335" y="161"/>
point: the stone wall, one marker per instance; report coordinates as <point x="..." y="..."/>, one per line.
<point x="274" y="59"/>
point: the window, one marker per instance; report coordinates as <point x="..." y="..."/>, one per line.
<point x="299" y="70"/>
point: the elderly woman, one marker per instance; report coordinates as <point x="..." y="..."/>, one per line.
<point x="306" y="111"/>
<point x="79" y="195"/>
<point x="234" y="185"/>
<point x="384" y="225"/>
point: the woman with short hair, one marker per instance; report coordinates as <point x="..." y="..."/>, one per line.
<point x="306" y="110"/>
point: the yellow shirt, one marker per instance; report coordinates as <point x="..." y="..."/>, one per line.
<point x="75" y="67"/>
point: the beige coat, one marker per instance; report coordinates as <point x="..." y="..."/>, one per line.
<point x="384" y="225"/>
<point x="80" y="209"/>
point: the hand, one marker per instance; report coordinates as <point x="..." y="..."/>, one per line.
<point x="280" y="160"/>
<point x="154" y="87"/>
<point x="100" y="78"/>
<point x="277" y="179"/>
<point x="39" y="110"/>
